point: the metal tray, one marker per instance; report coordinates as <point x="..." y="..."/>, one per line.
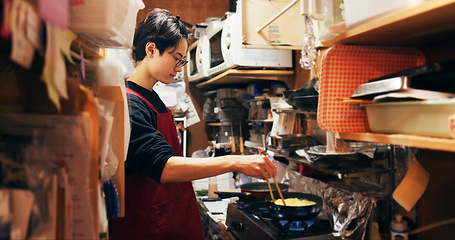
<point x="438" y="77"/>
<point x="375" y="88"/>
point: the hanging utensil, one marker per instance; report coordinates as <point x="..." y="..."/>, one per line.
<point x="241" y="138"/>
<point x="232" y="139"/>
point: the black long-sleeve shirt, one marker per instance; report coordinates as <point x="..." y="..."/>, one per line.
<point x="148" y="151"/>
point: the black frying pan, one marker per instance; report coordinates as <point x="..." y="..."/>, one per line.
<point x="255" y="190"/>
<point x="295" y="213"/>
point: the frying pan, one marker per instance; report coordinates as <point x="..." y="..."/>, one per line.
<point x="295" y="213"/>
<point x="305" y="98"/>
<point x="254" y="190"/>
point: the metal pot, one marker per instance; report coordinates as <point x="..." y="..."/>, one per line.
<point x="295" y="213"/>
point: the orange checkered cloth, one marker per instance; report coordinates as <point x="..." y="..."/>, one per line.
<point x="343" y="69"/>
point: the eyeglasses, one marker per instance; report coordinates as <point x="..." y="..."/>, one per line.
<point x="180" y="62"/>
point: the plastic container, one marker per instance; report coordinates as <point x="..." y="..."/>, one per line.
<point x="357" y="11"/>
<point x="213" y="187"/>
<point x="427" y="118"/>
<point x="333" y="22"/>
<point x="106" y="23"/>
<point x="399" y="228"/>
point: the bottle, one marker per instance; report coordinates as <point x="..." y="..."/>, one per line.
<point x="399" y="228"/>
<point x="213" y="187"/>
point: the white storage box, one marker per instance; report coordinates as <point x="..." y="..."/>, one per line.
<point x="106" y="23"/>
<point x="357" y="11"/>
<point x="427" y="118"/>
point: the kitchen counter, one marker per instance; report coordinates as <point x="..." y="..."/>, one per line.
<point x="213" y="215"/>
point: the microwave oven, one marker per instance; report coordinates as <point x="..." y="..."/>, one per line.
<point x="225" y="49"/>
<point x="197" y="67"/>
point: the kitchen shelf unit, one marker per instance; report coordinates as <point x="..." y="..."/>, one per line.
<point x="426" y="24"/>
<point x="241" y="76"/>
<point x="429" y="27"/>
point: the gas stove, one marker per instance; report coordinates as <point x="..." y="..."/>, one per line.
<point x="253" y="221"/>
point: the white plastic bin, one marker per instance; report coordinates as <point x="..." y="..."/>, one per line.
<point x="106" y="23"/>
<point x="426" y="118"/>
<point x="357" y="11"/>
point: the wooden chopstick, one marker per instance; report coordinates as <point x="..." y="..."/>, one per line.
<point x="271" y="192"/>
<point x="279" y="191"/>
<point x="274" y="179"/>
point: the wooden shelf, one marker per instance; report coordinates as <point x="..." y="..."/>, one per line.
<point x="428" y="23"/>
<point x="219" y="124"/>
<point x="443" y="144"/>
<point x="260" y="120"/>
<point x="237" y="76"/>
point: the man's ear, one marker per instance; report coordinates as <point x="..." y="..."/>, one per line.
<point x="150" y="49"/>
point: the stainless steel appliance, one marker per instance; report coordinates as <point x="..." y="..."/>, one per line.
<point x="253" y="221"/>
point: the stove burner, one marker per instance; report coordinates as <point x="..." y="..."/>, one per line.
<point x="296" y="226"/>
<point x="253" y="220"/>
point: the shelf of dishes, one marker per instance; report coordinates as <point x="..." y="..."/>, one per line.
<point x="409" y="140"/>
<point x="425" y="142"/>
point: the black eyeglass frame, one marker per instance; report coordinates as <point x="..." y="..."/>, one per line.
<point x="181" y="62"/>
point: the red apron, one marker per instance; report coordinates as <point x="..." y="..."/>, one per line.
<point x="159" y="211"/>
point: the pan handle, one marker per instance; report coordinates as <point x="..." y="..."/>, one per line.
<point x="240" y="195"/>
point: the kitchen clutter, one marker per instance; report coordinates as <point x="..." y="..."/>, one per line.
<point x="296" y="142"/>
<point x="358" y="90"/>
<point x="353" y="101"/>
<point x="351" y="181"/>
